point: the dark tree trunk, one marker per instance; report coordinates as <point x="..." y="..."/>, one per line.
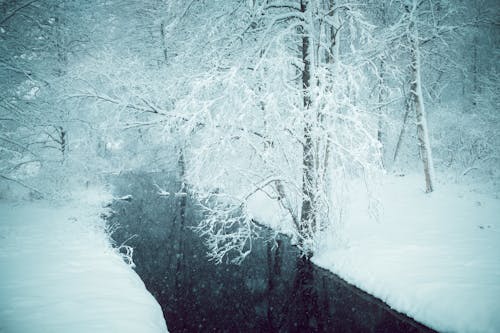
<point x="307" y="223"/>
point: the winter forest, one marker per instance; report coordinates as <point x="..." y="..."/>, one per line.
<point x="323" y="120"/>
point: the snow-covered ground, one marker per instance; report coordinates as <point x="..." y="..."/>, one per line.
<point x="59" y="273"/>
<point x="435" y="257"/>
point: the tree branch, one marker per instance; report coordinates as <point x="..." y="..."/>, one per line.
<point x="9" y="16"/>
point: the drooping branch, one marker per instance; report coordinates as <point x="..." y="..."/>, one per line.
<point x="23" y="184"/>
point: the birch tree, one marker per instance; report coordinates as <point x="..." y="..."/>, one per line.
<point x="422" y="28"/>
<point x="417" y="97"/>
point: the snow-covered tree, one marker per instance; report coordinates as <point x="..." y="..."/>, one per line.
<point x="282" y="103"/>
<point x="278" y="113"/>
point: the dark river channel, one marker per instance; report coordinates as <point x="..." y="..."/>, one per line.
<point x="273" y="290"/>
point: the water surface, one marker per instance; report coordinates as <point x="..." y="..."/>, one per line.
<point x="273" y="290"/>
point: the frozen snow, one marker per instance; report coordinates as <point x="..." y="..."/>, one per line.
<point x="435" y="257"/>
<point x="58" y="273"/>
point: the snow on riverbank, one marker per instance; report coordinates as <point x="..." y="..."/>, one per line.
<point x="435" y="257"/>
<point x="58" y="273"/>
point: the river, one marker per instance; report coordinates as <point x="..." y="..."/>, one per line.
<point x="273" y="290"/>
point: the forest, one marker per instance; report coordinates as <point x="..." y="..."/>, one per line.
<point x="242" y="141"/>
<point x="295" y="101"/>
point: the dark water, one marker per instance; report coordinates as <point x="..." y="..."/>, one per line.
<point x="272" y="291"/>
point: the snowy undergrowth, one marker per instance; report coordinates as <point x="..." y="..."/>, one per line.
<point x="435" y="257"/>
<point x="59" y="272"/>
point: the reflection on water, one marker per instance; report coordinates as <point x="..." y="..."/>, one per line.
<point x="274" y="290"/>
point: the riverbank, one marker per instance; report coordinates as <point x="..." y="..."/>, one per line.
<point x="434" y="257"/>
<point x="59" y="273"/>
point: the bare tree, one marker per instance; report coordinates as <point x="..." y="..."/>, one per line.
<point x="417" y="97"/>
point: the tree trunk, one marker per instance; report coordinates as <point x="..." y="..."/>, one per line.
<point x="63" y="143"/>
<point x="418" y="104"/>
<point x="164" y="42"/>
<point x="403" y="129"/>
<point x="382" y="95"/>
<point x="307" y="223"/>
<point x="381" y="99"/>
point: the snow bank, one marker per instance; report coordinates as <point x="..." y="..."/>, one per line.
<point x="58" y="273"/>
<point x="433" y="256"/>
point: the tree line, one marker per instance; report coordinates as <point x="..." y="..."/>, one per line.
<point x="293" y="100"/>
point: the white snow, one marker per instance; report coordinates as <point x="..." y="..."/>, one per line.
<point x="435" y="257"/>
<point x="267" y="211"/>
<point x="59" y="273"/>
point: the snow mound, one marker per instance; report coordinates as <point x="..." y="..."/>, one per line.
<point x="58" y="272"/>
